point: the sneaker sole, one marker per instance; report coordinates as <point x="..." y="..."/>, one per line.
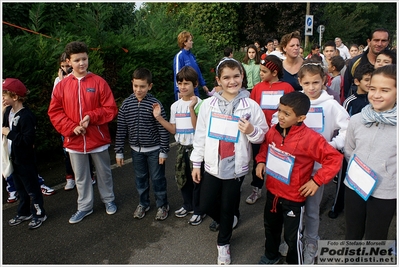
<point x="162" y="218"/>
<point x="87" y="214"/>
<point x="38" y="225"/>
<point x="12" y="200"/>
<point x="137" y="217"/>
<point x="111" y="212"/>
<point x="68" y="189"/>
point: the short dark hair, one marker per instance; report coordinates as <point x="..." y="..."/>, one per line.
<point x="269" y="41"/>
<point x="330" y="43"/>
<point x="390" y="53"/>
<point x="379" y="30"/>
<point x="338" y="62"/>
<point x="75" y="48"/>
<point x="227" y="51"/>
<point x="314" y="47"/>
<point x="189" y="74"/>
<point x="298" y="101"/>
<point x="143" y="74"/>
<point x="362" y="70"/>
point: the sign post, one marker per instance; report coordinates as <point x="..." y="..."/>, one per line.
<point x="320" y="30"/>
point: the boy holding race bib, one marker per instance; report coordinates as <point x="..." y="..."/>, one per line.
<point x="287" y="157"/>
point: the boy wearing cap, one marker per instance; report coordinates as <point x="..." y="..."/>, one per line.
<point x="19" y="127"/>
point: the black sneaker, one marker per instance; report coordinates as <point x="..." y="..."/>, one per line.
<point x="37" y="222"/>
<point x="214" y="226"/>
<point x="18" y="219"/>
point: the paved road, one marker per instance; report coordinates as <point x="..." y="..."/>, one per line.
<point x="120" y="239"/>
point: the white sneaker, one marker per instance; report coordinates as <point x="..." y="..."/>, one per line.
<point x="47" y="191"/>
<point x="70" y="184"/>
<point x="309" y="253"/>
<point x="254" y="196"/>
<point x="12" y="197"/>
<point x="224" y="255"/>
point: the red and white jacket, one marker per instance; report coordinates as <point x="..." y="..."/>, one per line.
<point x="72" y="100"/>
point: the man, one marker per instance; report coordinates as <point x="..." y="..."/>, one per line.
<point x="343" y="50"/>
<point x="377" y="41"/>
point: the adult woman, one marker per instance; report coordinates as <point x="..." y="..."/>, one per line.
<point x="291" y="44"/>
<point x="185" y="58"/>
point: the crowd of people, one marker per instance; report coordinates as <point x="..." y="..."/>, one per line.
<point x="293" y="123"/>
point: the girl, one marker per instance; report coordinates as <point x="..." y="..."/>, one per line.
<point x="226" y="123"/>
<point x="372" y="139"/>
<point x="353" y="50"/>
<point x="290" y="44"/>
<point x="251" y="66"/>
<point x="385" y="57"/>
<point x="326" y="116"/>
<point x="267" y="94"/>
<point x="64" y="69"/>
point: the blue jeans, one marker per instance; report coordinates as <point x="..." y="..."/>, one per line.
<point x="145" y="165"/>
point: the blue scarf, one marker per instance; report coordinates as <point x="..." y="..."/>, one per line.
<point x="370" y="116"/>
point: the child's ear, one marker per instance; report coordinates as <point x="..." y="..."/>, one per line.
<point x="275" y="73"/>
<point x="301" y="118"/>
<point x="356" y="82"/>
<point x="150" y="86"/>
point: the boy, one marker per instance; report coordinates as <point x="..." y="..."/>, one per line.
<point x="80" y="109"/>
<point x="334" y="68"/>
<point x="385" y="57"/>
<point x="290" y="144"/>
<point x="353" y="105"/>
<point x="183" y="119"/>
<point x="19" y="127"/>
<point x="149" y="142"/>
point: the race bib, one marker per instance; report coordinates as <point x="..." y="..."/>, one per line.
<point x="315" y="119"/>
<point x="183" y="123"/>
<point x="279" y="164"/>
<point x="360" y="177"/>
<point x="224" y="127"/>
<point x="271" y="99"/>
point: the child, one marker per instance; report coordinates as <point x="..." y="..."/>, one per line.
<point x="226" y="123"/>
<point x="267" y="94"/>
<point x="80" y="109"/>
<point x="287" y="191"/>
<point x="385" y="57"/>
<point x="183" y="119"/>
<point x="19" y="126"/>
<point x="353" y="105"/>
<point x="149" y="142"/>
<point x="372" y="140"/>
<point x="64" y="70"/>
<point x="326" y="116"/>
<point x="334" y="67"/>
<point x="251" y="63"/>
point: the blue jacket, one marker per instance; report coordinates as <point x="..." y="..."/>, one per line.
<point x="186" y="58"/>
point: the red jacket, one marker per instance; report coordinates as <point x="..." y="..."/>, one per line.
<point x="72" y="100"/>
<point x="256" y="94"/>
<point x="307" y="146"/>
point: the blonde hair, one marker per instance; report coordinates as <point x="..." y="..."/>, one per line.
<point x="183" y="37"/>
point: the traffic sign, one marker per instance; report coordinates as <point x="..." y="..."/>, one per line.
<point x="309" y="25"/>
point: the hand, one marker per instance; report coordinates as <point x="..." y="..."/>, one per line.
<point x="245" y="126"/>
<point x="205" y="89"/>
<point x="85" y="122"/>
<point x="260" y="170"/>
<point x="79" y="130"/>
<point x="5" y="131"/>
<point x="194" y="101"/>
<point x="196" y="174"/>
<point x="60" y="74"/>
<point x="156" y="110"/>
<point x="119" y="162"/>
<point x="309" y="189"/>
<point x="161" y="161"/>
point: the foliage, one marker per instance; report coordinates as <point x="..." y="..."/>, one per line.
<point x="353" y="22"/>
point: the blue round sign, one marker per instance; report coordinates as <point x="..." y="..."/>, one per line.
<point x="309" y="22"/>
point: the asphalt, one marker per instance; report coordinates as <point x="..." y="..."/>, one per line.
<point x="120" y="239"/>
